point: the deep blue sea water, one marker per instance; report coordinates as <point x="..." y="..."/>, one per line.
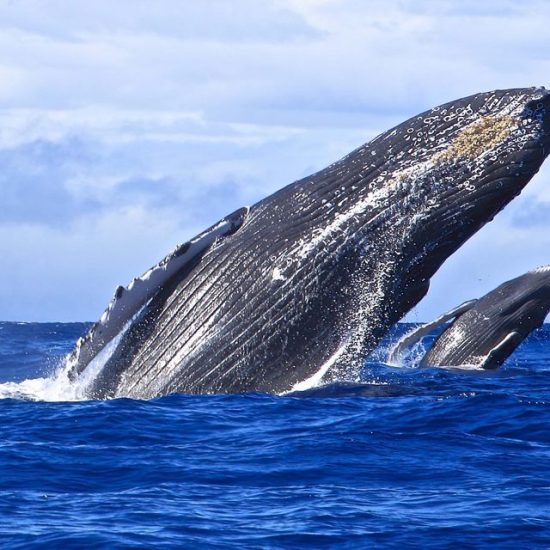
<point x="412" y="457"/>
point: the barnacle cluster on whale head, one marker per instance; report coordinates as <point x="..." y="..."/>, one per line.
<point x="482" y="135"/>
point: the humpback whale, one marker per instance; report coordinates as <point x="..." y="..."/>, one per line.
<point x="300" y="286"/>
<point x="485" y="332"/>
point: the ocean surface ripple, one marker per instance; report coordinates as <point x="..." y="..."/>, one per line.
<point x="409" y="457"/>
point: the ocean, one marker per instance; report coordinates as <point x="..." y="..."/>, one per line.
<point x="409" y="457"/>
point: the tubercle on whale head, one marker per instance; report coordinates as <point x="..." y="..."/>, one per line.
<point x="506" y="146"/>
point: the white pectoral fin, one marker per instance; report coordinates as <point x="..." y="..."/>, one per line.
<point x="129" y="300"/>
<point x="502" y="350"/>
<point x="417" y="334"/>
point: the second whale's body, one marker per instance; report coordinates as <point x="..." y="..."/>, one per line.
<point x="307" y="281"/>
<point x="485" y="332"/>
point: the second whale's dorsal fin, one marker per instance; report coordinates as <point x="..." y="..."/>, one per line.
<point x="128" y="301"/>
<point x="418" y="333"/>
<point x="501" y="351"/>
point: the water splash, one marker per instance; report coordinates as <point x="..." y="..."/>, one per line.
<point x="409" y="357"/>
<point x="58" y="386"/>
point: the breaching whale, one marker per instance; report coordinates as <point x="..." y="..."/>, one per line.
<point x="485" y="332"/>
<point x="307" y="281"/>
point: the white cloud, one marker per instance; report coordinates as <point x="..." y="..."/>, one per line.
<point x="116" y="126"/>
<point x="19" y="126"/>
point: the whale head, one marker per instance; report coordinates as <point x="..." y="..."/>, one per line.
<point x="490" y="331"/>
<point x="436" y="179"/>
<point x="474" y="156"/>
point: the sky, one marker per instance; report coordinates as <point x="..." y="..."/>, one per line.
<point x="128" y="127"/>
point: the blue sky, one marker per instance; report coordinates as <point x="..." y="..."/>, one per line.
<point x="126" y="127"/>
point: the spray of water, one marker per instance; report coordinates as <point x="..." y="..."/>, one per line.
<point x="410" y="359"/>
<point x="58" y="386"/>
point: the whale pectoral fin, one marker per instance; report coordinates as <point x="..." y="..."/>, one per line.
<point x="502" y="350"/>
<point x="417" y="334"/>
<point x="129" y="301"/>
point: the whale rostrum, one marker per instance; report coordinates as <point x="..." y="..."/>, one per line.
<point x="307" y="281"/>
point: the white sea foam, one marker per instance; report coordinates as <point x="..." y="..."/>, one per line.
<point x="58" y="386"/>
<point x="54" y="388"/>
